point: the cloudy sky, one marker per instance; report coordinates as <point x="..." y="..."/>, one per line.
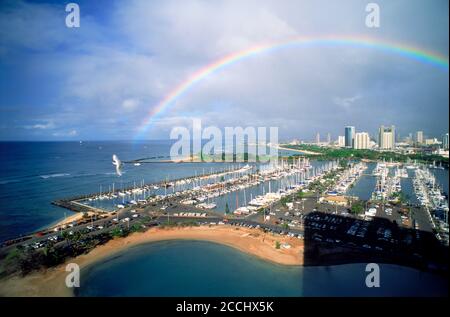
<point x="101" y="80"/>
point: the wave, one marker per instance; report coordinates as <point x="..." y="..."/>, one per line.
<point x="47" y="176"/>
<point x="92" y="174"/>
<point x="54" y="175"/>
<point x="8" y="181"/>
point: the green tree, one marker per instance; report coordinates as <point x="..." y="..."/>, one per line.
<point x="357" y="208"/>
<point x="285" y="200"/>
<point x="116" y="232"/>
<point x="137" y="227"/>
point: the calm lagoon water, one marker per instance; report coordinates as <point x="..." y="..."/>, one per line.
<point x="198" y="268"/>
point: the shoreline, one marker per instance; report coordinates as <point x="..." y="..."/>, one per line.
<point x="51" y="282"/>
<point x="69" y="219"/>
<point x="299" y="151"/>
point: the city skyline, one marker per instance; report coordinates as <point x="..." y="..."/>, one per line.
<point x="373" y="136"/>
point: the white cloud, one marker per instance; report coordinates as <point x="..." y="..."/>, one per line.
<point x="70" y="133"/>
<point x="41" y="126"/>
<point x="130" y="104"/>
<point x="346" y="102"/>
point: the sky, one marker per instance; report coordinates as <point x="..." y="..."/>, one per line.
<point x="100" y="81"/>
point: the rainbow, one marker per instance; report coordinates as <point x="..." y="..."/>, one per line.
<point x="406" y="51"/>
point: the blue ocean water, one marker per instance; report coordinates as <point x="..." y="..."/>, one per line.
<point x="198" y="268"/>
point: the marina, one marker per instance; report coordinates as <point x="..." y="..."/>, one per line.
<point x="242" y="190"/>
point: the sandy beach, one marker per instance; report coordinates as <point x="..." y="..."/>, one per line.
<point x="51" y="282"/>
<point x="72" y="218"/>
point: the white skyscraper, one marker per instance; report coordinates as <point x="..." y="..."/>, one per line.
<point x="362" y="140"/>
<point x="419" y="137"/>
<point x="386" y="138"/>
<point x="341" y="141"/>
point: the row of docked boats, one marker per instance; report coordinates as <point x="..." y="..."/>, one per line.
<point x="347" y="178"/>
<point x="431" y="196"/>
<point x="428" y="192"/>
<point x="144" y="193"/>
<point x="388" y="184"/>
<point x="203" y="196"/>
<point x="306" y="175"/>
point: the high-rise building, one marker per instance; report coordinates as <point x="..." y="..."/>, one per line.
<point x="341" y="141"/>
<point x="328" y="138"/>
<point x="349" y="136"/>
<point x="410" y="139"/>
<point x="419" y="137"/>
<point x="445" y="142"/>
<point x="386" y="138"/>
<point x="318" y="138"/>
<point x="362" y="140"/>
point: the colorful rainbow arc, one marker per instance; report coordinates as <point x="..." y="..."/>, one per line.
<point x="388" y="47"/>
